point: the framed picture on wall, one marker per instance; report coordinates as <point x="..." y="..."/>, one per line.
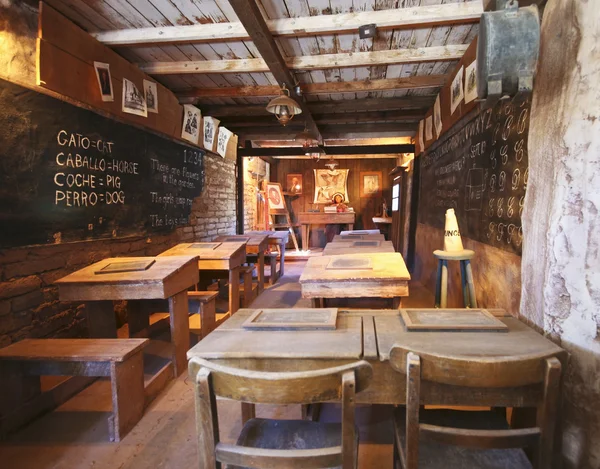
<point x="329" y="182"/>
<point x="275" y="196"/>
<point x="293" y="183"/>
<point x="370" y="183"/>
<point x="104" y="81"/>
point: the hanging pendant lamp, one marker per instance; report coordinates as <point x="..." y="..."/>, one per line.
<point x="284" y="107"/>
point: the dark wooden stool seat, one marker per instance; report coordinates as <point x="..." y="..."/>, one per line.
<point x="466" y="275"/>
<point x="119" y="359"/>
<point x="434" y="455"/>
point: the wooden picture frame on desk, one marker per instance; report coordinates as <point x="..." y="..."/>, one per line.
<point x="370" y="183"/>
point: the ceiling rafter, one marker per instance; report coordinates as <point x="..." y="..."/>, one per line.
<point x="309" y="62"/>
<point x="415" y="82"/>
<point x="254" y="22"/>
<point x="400" y="18"/>
<point x="331" y="150"/>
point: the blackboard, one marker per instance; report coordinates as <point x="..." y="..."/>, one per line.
<point x="69" y="174"/>
<point x="480" y="168"/>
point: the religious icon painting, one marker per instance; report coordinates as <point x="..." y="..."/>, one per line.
<point x="329" y="182"/>
<point x="275" y="196"/>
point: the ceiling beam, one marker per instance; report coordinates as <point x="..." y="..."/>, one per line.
<point x="416" y="82"/>
<point x="327" y="107"/>
<point x="253" y="21"/>
<point x="342" y="157"/>
<point x="399" y="18"/>
<point x="333" y="150"/>
<point x="329" y="131"/>
<point x="308" y="62"/>
<point x="410" y="115"/>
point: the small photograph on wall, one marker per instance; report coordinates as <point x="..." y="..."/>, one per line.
<point x="329" y="182"/>
<point x="275" y="196"/>
<point x="370" y="183"/>
<point x="190" y="129"/>
<point x="223" y="140"/>
<point x="293" y="183"/>
<point x="104" y="81"/>
<point x="429" y="128"/>
<point x="456" y="90"/>
<point x="134" y="101"/>
<point x="210" y="131"/>
<point x="151" y="93"/>
<point x="437" y="116"/>
<point x="471" y="82"/>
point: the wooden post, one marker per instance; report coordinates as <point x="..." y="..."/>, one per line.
<point x="127" y="382"/>
<point x="180" y="330"/>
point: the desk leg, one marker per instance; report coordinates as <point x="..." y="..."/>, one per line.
<point x="316" y="302"/>
<point x="101" y="319"/>
<point x="138" y="318"/>
<point x="261" y="272"/>
<point x="282" y="258"/>
<point x="180" y="330"/>
<point x="305" y="231"/>
<point x="234" y="290"/>
<point x="351" y="226"/>
<point x="397" y="302"/>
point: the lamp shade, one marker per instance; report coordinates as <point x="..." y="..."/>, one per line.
<point x="284" y="108"/>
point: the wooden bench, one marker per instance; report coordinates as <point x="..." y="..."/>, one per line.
<point x="119" y="359"/>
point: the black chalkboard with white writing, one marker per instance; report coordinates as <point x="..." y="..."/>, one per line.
<point x="480" y="169"/>
<point x="69" y="174"/>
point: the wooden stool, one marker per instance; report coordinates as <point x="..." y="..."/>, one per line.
<point x="441" y="285"/>
<point x="205" y="321"/>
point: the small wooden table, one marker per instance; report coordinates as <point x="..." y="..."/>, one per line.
<point x="222" y="260"/>
<point x="388" y="278"/>
<point x="356" y="247"/>
<point x="321" y="218"/>
<point x="167" y="278"/>
<point x="279" y="239"/>
<point x="255" y="244"/>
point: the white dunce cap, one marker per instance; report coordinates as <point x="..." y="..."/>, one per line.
<point x="452" y="240"/>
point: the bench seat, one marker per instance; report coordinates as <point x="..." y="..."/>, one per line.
<point x="119" y="359"/>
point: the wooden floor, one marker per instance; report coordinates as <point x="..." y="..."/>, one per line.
<point x="75" y="436"/>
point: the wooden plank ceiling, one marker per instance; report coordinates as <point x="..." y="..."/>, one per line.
<point x="353" y="88"/>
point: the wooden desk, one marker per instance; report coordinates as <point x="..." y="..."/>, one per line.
<point x="222" y="261"/>
<point x="167" y="278"/>
<point x="256" y="244"/>
<point x="358" y="237"/>
<point x="321" y="218"/>
<point x="388" y="278"/>
<point x="354" y="247"/>
<point x="370" y="335"/>
<point x="279" y="239"/>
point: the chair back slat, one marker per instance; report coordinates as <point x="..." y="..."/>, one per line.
<point x="484" y="439"/>
<point x="305" y="387"/>
<point x="242" y="456"/>
<point x="477" y="371"/>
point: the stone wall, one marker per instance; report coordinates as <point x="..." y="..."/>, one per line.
<point x="29" y="305"/>
<point x="561" y="256"/>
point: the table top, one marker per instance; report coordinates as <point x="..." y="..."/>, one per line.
<point x="351" y="247"/>
<point x="222" y="251"/>
<point x="231" y="340"/>
<point x="519" y="341"/>
<point x="323" y="217"/>
<point x="355" y="337"/>
<point x="358" y="237"/>
<point x="385" y="266"/>
<point x="166" y="276"/>
<point x="255" y="240"/>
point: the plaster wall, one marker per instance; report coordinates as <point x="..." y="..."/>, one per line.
<point x="561" y="262"/>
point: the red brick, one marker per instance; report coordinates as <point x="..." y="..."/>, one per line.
<point x="19" y="286"/>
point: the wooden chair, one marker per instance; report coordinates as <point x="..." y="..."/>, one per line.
<point x="285" y="444"/>
<point x="472" y="439"/>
